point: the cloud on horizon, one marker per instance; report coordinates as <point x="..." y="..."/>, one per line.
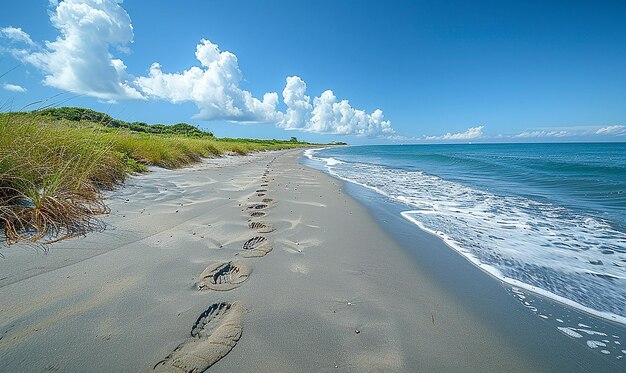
<point x="571" y="132"/>
<point x="81" y="60"/>
<point x="612" y="130"/>
<point x="471" y="133"/>
<point x="531" y="134"/>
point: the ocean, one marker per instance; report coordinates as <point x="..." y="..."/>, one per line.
<point x="544" y="218"/>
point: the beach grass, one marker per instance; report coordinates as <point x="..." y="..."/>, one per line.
<point x="53" y="170"/>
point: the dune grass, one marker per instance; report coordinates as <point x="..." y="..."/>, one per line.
<point x="53" y="171"/>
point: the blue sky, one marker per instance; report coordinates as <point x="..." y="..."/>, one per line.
<point x="414" y="71"/>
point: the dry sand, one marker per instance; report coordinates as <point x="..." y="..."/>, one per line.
<point x="319" y="285"/>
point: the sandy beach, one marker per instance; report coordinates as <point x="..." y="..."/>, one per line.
<point x="247" y="264"/>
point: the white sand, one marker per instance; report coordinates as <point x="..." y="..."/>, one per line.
<point x="327" y="290"/>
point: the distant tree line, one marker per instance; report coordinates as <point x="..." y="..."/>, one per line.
<point x="77" y="114"/>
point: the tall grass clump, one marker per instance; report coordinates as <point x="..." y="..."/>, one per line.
<point x="51" y="179"/>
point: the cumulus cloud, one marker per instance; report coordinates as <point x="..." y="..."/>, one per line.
<point x="298" y="104"/>
<point x="80" y="59"/>
<point x="612" y="130"/>
<point x="531" y="134"/>
<point x="14" y="88"/>
<point x="328" y="114"/>
<point x="471" y="133"/>
<point x="213" y="87"/>
<point x="16" y="35"/>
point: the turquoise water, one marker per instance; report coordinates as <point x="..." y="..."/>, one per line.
<point x="549" y="218"/>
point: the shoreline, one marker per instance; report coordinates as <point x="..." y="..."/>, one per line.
<point x="336" y="292"/>
<point x="517" y="315"/>
<point x="497" y="275"/>
<point x="492" y="271"/>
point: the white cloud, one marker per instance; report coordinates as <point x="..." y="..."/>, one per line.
<point x="611" y="130"/>
<point x="213" y="87"/>
<point x="327" y="114"/>
<point x="530" y="134"/>
<point x="14" y="88"/>
<point x="15" y="34"/>
<point x="471" y="133"/>
<point x="298" y="104"/>
<point x="80" y="59"/>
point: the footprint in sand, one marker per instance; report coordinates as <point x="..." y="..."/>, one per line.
<point x="223" y="276"/>
<point x="254" y="242"/>
<point x="213" y="336"/>
<point x="261" y="227"/>
<point x="258" y="206"/>
<point x="256" y="247"/>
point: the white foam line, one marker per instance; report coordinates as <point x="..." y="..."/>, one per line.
<point x="379" y="191"/>
<point x="335" y="174"/>
<point x="494" y="272"/>
<point x="309" y="152"/>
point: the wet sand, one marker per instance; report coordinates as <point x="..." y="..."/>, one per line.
<point x="242" y="264"/>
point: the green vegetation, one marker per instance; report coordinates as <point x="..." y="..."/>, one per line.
<point x="55" y="163"/>
<point x="77" y="114"/>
